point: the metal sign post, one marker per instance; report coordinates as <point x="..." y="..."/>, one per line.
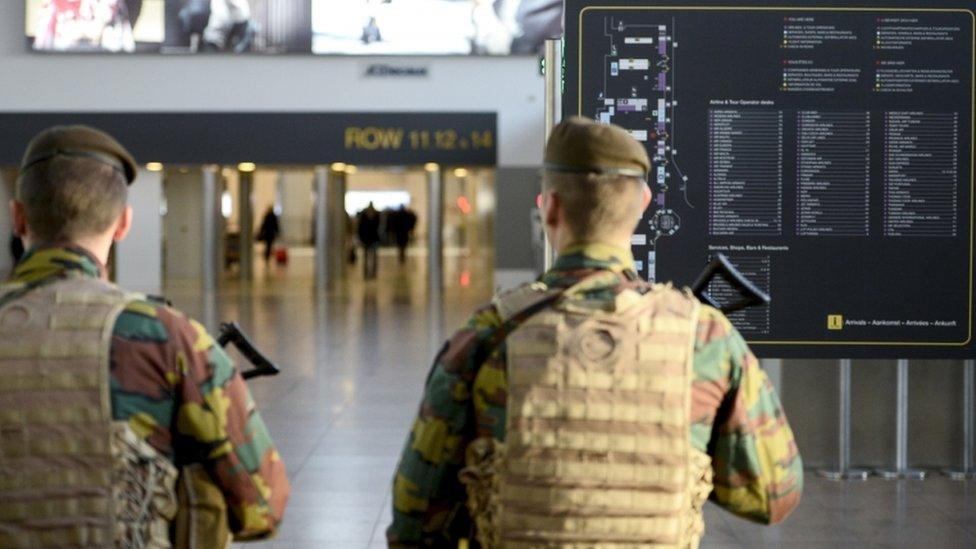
<point x="901" y="470"/>
<point x="554" y="113"/>
<point x="844" y="470"/>
<point x="968" y="470"/>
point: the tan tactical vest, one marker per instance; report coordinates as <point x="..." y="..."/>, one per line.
<point x="69" y="475"/>
<point x="598" y="445"/>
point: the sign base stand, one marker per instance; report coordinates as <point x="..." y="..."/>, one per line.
<point x="859" y="475"/>
<point x="901" y="470"/>
<point x="844" y="472"/>
<point x="968" y="471"/>
<point x="959" y="474"/>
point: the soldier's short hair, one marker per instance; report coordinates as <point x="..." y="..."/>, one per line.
<point x="70" y="197"/>
<point x="597" y="205"/>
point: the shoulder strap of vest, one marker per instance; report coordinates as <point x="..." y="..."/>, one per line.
<point x="524" y="301"/>
<point x="514" y="306"/>
<point x="515" y="302"/>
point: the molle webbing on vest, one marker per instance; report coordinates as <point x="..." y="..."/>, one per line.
<point x="56" y="462"/>
<point x="597" y="450"/>
<point x="145" y="492"/>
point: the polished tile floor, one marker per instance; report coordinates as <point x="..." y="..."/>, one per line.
<point x="354" y="363"/>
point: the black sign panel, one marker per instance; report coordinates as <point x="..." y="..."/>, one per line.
<point x="372" y="139"/>
<point x="826" y="150"/>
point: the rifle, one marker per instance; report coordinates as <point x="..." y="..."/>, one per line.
<point x="750" y="295"/>
<point x="231" y="334"/>
<point x="201" y="519"/>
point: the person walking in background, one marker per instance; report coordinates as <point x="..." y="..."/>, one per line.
<point x="269" y="231"/>
<point x="403" y="223"/>
<point x="368" y="229"/>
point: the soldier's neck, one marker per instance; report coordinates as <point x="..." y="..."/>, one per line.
<point x="97" y="246"/>
<point x="619" y="243"/>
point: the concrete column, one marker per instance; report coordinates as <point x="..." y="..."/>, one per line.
<point x="435" y="256"/>
<point x="211" y="232"/>
<point x="221" y="230"/>
<point x="6" y="225"/>
<point x="337" y="226"/>
<point x="139" y="258"/>
<point x="246" y="223"/>
<point x="322" y="233"/>
<point x="330" y="227"/>
<point x="435" y="230"/>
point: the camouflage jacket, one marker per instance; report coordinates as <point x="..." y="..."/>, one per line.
<point x="758" y="472"/>
<point x="180" y="392"/>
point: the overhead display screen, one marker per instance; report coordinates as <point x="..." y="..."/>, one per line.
<point x="325" y="27"/>
<point x="458" y="27"/>
<point x="827" y="151"/>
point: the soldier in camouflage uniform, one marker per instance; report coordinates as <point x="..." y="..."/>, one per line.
<point x="125" y="366"/>
<point x="731" y="442"/>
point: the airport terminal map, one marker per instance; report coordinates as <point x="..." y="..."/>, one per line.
<point x="826" y="149"/>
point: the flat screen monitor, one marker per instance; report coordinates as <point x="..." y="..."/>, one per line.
<point x="323" y="27"/>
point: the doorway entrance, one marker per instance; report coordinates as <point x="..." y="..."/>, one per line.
<point x="282" y="209"/>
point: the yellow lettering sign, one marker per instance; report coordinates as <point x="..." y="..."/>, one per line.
<point x="372" y="138"/>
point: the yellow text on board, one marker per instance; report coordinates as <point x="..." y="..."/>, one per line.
<point x="373" y="138"/>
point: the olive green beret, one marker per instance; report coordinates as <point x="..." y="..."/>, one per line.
<point x="81" y="142"/>
<point x="580" y="145"/>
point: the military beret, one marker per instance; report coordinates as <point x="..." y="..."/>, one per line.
<point x="80" y="142"/>
<point x="580" y="145"/>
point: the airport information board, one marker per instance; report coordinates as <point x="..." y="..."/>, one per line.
<point x="278" y="138"/>
<point x="826" y="149"/>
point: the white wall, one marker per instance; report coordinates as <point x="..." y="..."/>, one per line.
<point x="139" y="258"/>
<point x="512" y="87"/>
<point x="183" y="225"/>
<point x="297" y="206"/>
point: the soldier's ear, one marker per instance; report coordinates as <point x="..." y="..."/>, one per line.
<point x="19" y="218"/>
<point x="646" y="197"/>
<point x="551" y="205"/>
<point x="124" y="225"/>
